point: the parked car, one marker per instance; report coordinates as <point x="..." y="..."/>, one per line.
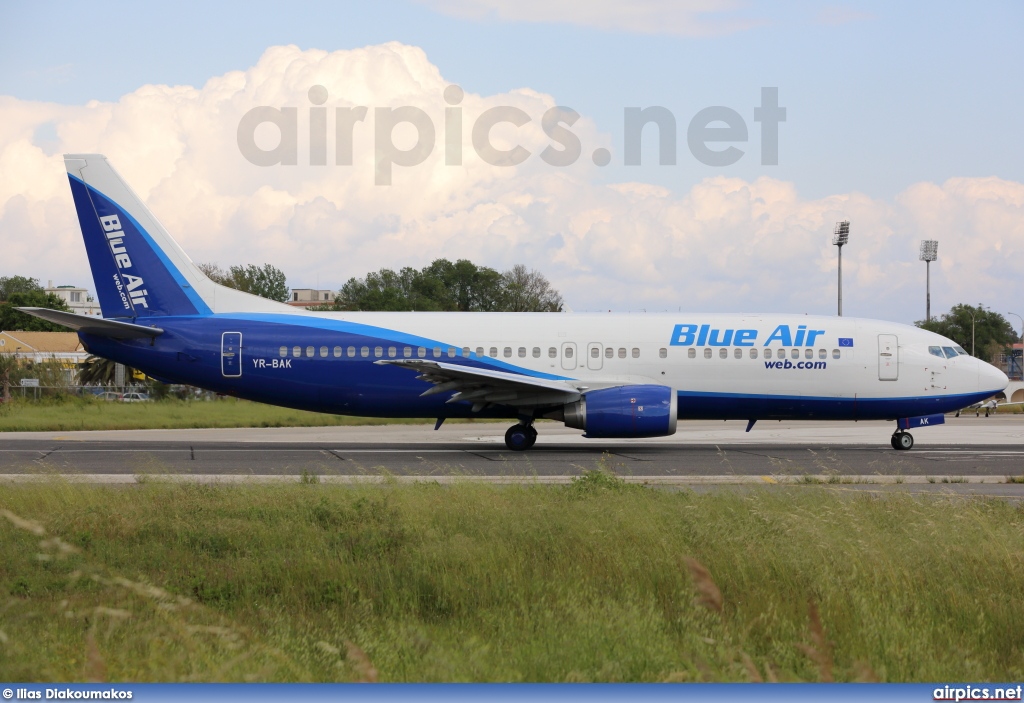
<point x="108" y="395"/>
<point x="135" y="397"/>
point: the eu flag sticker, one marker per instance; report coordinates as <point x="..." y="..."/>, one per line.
<point x="846" y="341"/>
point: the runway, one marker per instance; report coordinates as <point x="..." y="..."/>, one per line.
<point x="967" y="448"/>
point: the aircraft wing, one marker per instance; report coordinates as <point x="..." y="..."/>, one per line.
<point x="484" y="387"/>
<point x="94" y="325"/>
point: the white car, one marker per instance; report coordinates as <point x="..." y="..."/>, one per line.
<point x="135" y="398"/>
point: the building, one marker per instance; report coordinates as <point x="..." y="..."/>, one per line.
<point x="37" y="347"/>
<point x="78" y="299"/>
<point x="310" y="297"/>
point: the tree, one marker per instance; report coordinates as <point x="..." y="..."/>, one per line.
<point x="9" y="285"/>
<point x="96" y="370"/>
<point x="526" y="290"/>
<point x="8" y="363"/>
<point x="992" y="332"/>
<point x="446" y="286"/>
<point x="266" y="281"/>
<point x="11" y="319"/>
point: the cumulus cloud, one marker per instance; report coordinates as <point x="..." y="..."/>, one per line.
<point x="725" y="245"/>
<point x="689" y="18"/>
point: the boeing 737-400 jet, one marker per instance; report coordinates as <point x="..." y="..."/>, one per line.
<point x="610" y="375"/>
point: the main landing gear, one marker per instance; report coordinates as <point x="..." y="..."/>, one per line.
<point x="520" y="437"/>
<point x="902" y="440"/>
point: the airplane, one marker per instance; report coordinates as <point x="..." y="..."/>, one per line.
<point x="610" y="375"/>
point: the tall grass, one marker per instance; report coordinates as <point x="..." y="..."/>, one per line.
<point x="596" y="581"/>
<point x="77" y="413"/>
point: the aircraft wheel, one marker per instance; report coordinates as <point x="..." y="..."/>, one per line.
<point x="533" y="437"/>
<point x="520" y="437"/>
<point x="902" y="441"/>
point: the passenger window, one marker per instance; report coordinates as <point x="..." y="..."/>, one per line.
<point x="835" y="353"/>
<point x="808" y="353"/>
<point x="283" y="351"/>
<point x="663" y="353"/>
<point x="508" y="352"/>
<point x="691" y="353"/>
<point x="568" y="352"/>
<point x="337" y="352"/>
<point x="595" y="353"/>
<point x="822" y="354"/>
<point x="723" y="353"/>
<point x="636" y="353"/>
<point x="536" y="352"/>
<point x="794" y="353"/>
<point x="309" y="352"/>
<point x="323" y="352"/>
<point x="437" y="352"/>
<point x="392" y="352"/>
<point x="364" y="352"/>
<point x="378" y="352"/>
<point x="451" y="352"/>
<point x="609" y="353"/>
<point x="421" y="352"/>
<point x="738" y="353"/>
<point x="351" y="351"/>
<point x="707" y="352"/>
<point x="407" y="352"/>
<point x="622" y="353"/>
<point x="552" y="353"/>
<point x="296" y="352"/>
<point x="479" y="351"/>
<point x="768" y="353"/>
<point x="753" y="352"/>
<point x="522" y="352"/>
<point x="465" y="352"/>
<point x="494" y="353"/>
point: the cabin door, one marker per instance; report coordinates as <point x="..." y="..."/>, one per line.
<point x="888" y="357"/>
<point x="231" y="354"/>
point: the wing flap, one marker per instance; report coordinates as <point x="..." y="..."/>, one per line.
<point x="484" y="387"/>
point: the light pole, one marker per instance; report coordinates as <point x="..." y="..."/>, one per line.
<point x="929" y="253"/>
<point x="840" y="236"/>
<point x="1022" y="343"/>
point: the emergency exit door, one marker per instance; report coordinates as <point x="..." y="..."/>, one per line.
<point x="231" y="354"/>
<point x="888" y="357"/>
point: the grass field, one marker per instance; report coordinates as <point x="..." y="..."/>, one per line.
<point x="88" y="414"/>
<point x="596" y="581"/>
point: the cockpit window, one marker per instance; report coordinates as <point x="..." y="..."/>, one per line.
<point x="961" y="351"/>
<point x="936" y="351"/>
<point x="950" y="352"/>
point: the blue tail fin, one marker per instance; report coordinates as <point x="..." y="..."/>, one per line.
<point x="138" y="269"/>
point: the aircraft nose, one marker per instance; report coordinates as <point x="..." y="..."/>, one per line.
<point x="990" y="378"/>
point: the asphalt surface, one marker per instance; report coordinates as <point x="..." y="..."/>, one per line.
<point x="478" y="451"/>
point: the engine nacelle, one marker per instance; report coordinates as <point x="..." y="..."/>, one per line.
<point x="625" y="411"/>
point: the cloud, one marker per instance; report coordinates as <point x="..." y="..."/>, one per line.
<point x="688" y="18"/>
<point x="725" y="245"/>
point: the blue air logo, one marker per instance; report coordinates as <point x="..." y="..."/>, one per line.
<point x="127" y="285"/>
<point x="707" y="336"/>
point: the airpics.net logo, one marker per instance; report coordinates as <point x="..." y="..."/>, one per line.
<point x="712" y="134"/>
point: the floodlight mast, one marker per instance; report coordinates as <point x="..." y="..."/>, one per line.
<point x="929" y="253"/>
<point x="840" y="236"/>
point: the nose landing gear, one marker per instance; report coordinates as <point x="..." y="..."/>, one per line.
<point x="520" y="437"/>
<point x="902" y="440"/>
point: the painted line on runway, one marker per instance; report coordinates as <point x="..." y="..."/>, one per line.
<point x="782" y="480"/>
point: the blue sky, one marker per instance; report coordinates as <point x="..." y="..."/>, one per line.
<point x="931" y="90"/>
<point x="903" y="117"/>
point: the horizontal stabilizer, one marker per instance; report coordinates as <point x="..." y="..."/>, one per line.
<point x="94" y="325"/>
